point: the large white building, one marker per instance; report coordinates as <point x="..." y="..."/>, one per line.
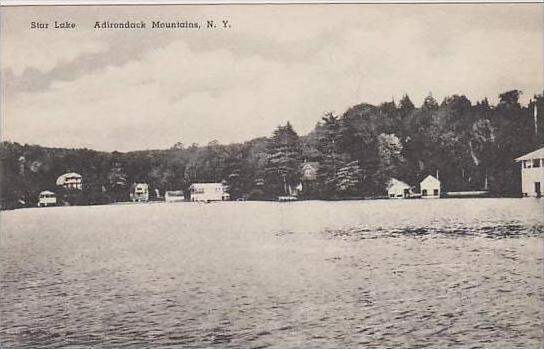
<point x="430" y="188"/>
<point x="70" y="180"/>
<point x="398" y="189"/>
<point x="208" y="192"/>
<point x="532" y="173"/>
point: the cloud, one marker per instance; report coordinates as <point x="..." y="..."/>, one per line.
<point x="31" y="53"/>
<point x="152" y="89"/>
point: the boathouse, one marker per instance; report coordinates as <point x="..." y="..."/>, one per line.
<point x="174" y="196"/>
<point x="398" y="189"/>
<point x="206" y="192"/>
<point x="430" y="187"/>
<point x="532" y="173"/>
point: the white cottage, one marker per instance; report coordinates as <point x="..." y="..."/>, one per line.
<point x="398" y="189"/>
<point x="47" y="198"/>
<point x="309" y="171"/>
<point x="206" y="192"/>
<point x="430" y="188"/>
<point x="532" y="173"/>
<point x="139" y="192"/>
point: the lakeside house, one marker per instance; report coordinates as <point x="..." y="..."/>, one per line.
<point x="139" y="192"/>
<point x="47" y="198"/>
<point x="532" y="173"/>
<point x="70" y="181"/>
<point x="309" y="171"/>
<point x="206" y="192"/>
<point x="430" y="187"/>
<point x="174" y="196"/>
<point x="397" y="189"/>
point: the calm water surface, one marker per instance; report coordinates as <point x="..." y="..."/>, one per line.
<point x="362" y="274"/>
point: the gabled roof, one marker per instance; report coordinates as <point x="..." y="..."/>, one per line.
<point x="48" y="192"/>
<point x="537" y="154"/>
<point x="395" y="182"/>
<point x="430" y="180"/>
<point x="313" y="164"/>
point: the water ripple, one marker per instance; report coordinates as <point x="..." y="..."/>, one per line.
<point x="381" y="274"/>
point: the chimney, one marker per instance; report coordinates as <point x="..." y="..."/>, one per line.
<point x="535" y="116"/>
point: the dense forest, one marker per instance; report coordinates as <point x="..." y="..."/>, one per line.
<point x="357" y="152"/>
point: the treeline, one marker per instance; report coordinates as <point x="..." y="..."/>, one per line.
<point x="357" y="152"/>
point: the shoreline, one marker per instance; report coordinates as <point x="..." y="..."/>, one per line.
<point x="130" y="203"/>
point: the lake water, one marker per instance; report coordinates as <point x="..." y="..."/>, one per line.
<point x="465" y="273"/>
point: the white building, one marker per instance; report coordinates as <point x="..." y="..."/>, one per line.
<point x="70" y="180"/>
<point x="47" y="198"/>
<point x="309" y="171"/>
<point x="430" y="188"/>
<point x="532" y="173"/>
<point x="208" y="192"/>
<point x="398" y="189"/>
<point x="174" y="196"/>
<point x="139" y="192"/>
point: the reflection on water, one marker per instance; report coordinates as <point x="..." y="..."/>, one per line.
<point x="499" y="231"/>
<point x="372" y="274"/>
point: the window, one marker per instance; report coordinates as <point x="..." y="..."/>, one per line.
<point x="536" y="163"/>
<point x="435" y="193"/>
<point x="391" y="195"/>
<point x="424" y="192"/>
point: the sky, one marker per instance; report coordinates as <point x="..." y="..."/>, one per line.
<point x="136" y="89"/>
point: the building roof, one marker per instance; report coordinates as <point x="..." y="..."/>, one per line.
<point x="62" y="178"/>
<point x="207" y="185"/>
<point x="174" y="193"/>
<point x="48" y="192"/>
<point x="139" y="185"/>
<point x="395" y="182"/>
<point x="429" y="180"/>
<point x="313" y="164"/>
<point x="537" y="154"/>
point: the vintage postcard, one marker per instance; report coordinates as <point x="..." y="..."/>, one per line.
<point x="318" y="175"/>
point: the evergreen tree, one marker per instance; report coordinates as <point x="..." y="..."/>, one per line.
<point x="391" y="158"/>
<point x="348" y="179"/>
<point x="283" y="162"/>
<point x="329" y="135"/>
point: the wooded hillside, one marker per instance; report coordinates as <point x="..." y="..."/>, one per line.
<point x="357" y="152"/>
